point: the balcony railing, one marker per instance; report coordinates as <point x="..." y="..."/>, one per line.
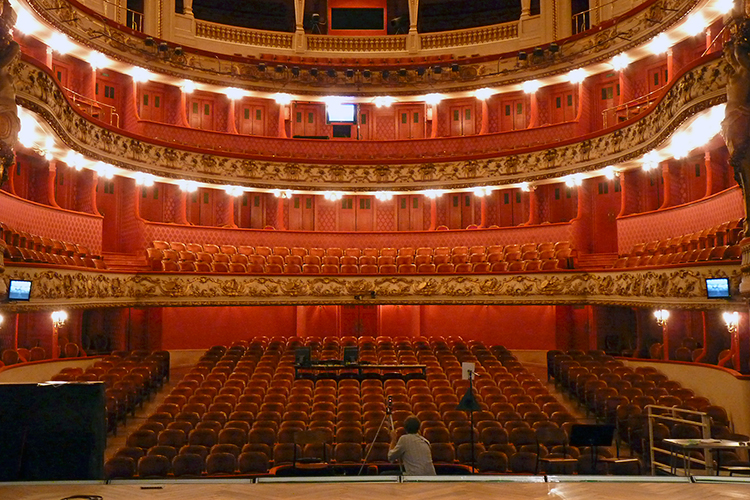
<point x="94" y="108"/>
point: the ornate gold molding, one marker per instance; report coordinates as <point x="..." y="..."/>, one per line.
<point x="673" y="287"/>
<point x="698" y="89"/>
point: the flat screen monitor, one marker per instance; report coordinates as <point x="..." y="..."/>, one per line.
<point x="19" y="290"/>
<point x="303" y="356"/>
<point x="351" y="354"/>
<point x="718" y="288"/>
<point x="338" y="112"/>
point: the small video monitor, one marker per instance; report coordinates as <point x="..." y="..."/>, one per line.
<point x="303" y="356"/>
<point x="718" y="288"/>
<point x="19" y="290"/>
<point x="351" y="355"/>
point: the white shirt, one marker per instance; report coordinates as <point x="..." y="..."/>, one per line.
<point x="415" y="453"/>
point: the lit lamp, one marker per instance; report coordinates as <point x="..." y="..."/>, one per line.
<point x="732" y="319"/>
<point x="58" y="320"/>
<point x="662" y="315"/>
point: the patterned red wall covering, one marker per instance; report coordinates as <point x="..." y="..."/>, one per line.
<point x="65" y="225"/>
<point x="255" y="237"/>
<point x="676" y="221"/>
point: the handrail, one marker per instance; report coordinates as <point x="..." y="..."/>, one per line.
<point x="93" y="104"/>
<point x="646" y="99"/>
<point x="133" y="18"/>
<point x="582" y="20"/>
<point x="673" y="416"/>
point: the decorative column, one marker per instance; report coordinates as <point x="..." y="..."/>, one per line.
<point x="231" y="117"/>
<point x="670" y="66"/>
<point x="51" y="178"/>
<point x="284" y="110"/>
<point x="280" y="214"/>
<point x="483" y="212"/>
<point x="230" y="212"/>
<point x="187" y="7"/>
<point x="151" y="17"/>
<point x="533" y="111"/>
<point x="533" y="207"/>
<point x="182" y="114"/>
<point x="93" y="195"/>
<point x="180" y="215"/>
<point x="300" y="42"/>
<point x="485" y="117"/>
<point x="48" y="59"/>
<point x="413" y="43"/>
<point x="91" y="91"/>
<point x="434" y="109"/>
<point x="667" y="202"/>
<point x="433" y="214"/>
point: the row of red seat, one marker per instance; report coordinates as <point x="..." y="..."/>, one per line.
<point x="731" y="252"/>
<point x="25" y="247"/>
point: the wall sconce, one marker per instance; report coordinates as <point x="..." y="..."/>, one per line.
<point x="661" y="315"/>
<point x="732" y="319"/>
<point x="59" y="318"/>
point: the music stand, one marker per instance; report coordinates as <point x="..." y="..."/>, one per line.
<point x="591" y="435"/>
<point x="469" y="404"/>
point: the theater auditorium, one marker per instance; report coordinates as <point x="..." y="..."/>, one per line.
<point x="243" y="242"/>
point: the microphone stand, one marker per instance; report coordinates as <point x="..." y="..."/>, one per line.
<point x="389" y="415"/>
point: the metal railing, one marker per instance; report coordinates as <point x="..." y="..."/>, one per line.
<point x="674" y="415"/>
<point x="133" y="18"/>
<point x="96" y="109"/>
<point x="582" y="20"/>
<point x="630" y="108"/>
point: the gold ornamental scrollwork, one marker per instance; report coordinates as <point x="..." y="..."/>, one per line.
<point x="680" y="288"/>
<point x="698" y="89"/>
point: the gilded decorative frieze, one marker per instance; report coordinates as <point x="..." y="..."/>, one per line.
<point x="696" y="90"/>
<point x="681" y="288"/>
<point x="630" y="30"/>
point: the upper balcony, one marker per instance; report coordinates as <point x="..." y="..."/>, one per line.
<point x="543" y="39"/>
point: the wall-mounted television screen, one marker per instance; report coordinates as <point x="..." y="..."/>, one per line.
<point x="19" y="290"/>
<point x="718" y="288"/>
<point x="341" y="113"/>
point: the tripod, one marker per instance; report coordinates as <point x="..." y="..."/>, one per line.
<point x="388" y="415"/>
<point x="470" y="404"/>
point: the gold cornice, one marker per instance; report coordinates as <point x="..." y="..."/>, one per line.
<point x="696" y="90"/>
<point x="681" y="288"/>
<point x="632" y="29"/>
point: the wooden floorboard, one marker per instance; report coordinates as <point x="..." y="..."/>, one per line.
<point x="217" y="490"/>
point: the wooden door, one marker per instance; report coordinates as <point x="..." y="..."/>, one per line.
<point x="657" y="77"/>
<point x="253" y="119"/>
<point x="307" y="120"/>
<point x="152" y="105"/>
<point x="410" y="122"/>
<point x="347" y="216"/>
<point x="607" y="98"/>
<point x="201" y="113"/>
<point x="563" y="107"/>
<point x="359" y="320"/>
<point x="251" y="211"/>
<point x="462" y="120"/>
<point x="107" y="92"/>
<point x="513" y="114"/>
<point x="302" y="213"/>
<point x="365" y="213"/>
<point x="467" y="210"/>
<point x="365" y="124"/>
<point x="62" y="73"/>
<point x="409" y="213"/>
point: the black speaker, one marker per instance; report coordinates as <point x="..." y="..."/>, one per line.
<point x="52" y="432"/>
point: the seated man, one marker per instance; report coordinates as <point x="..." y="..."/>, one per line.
<point x="413" y="450"/>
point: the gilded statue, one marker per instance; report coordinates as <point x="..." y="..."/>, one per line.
<point x="736" y="125"/>
<point x="9" y="122"/>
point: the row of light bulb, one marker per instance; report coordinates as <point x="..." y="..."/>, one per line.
<point x="59" y="42"/>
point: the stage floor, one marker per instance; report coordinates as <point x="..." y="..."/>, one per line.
<point x="526" y="488"/>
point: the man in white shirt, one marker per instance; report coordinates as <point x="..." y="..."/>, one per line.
<point x="413" y="450"/>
